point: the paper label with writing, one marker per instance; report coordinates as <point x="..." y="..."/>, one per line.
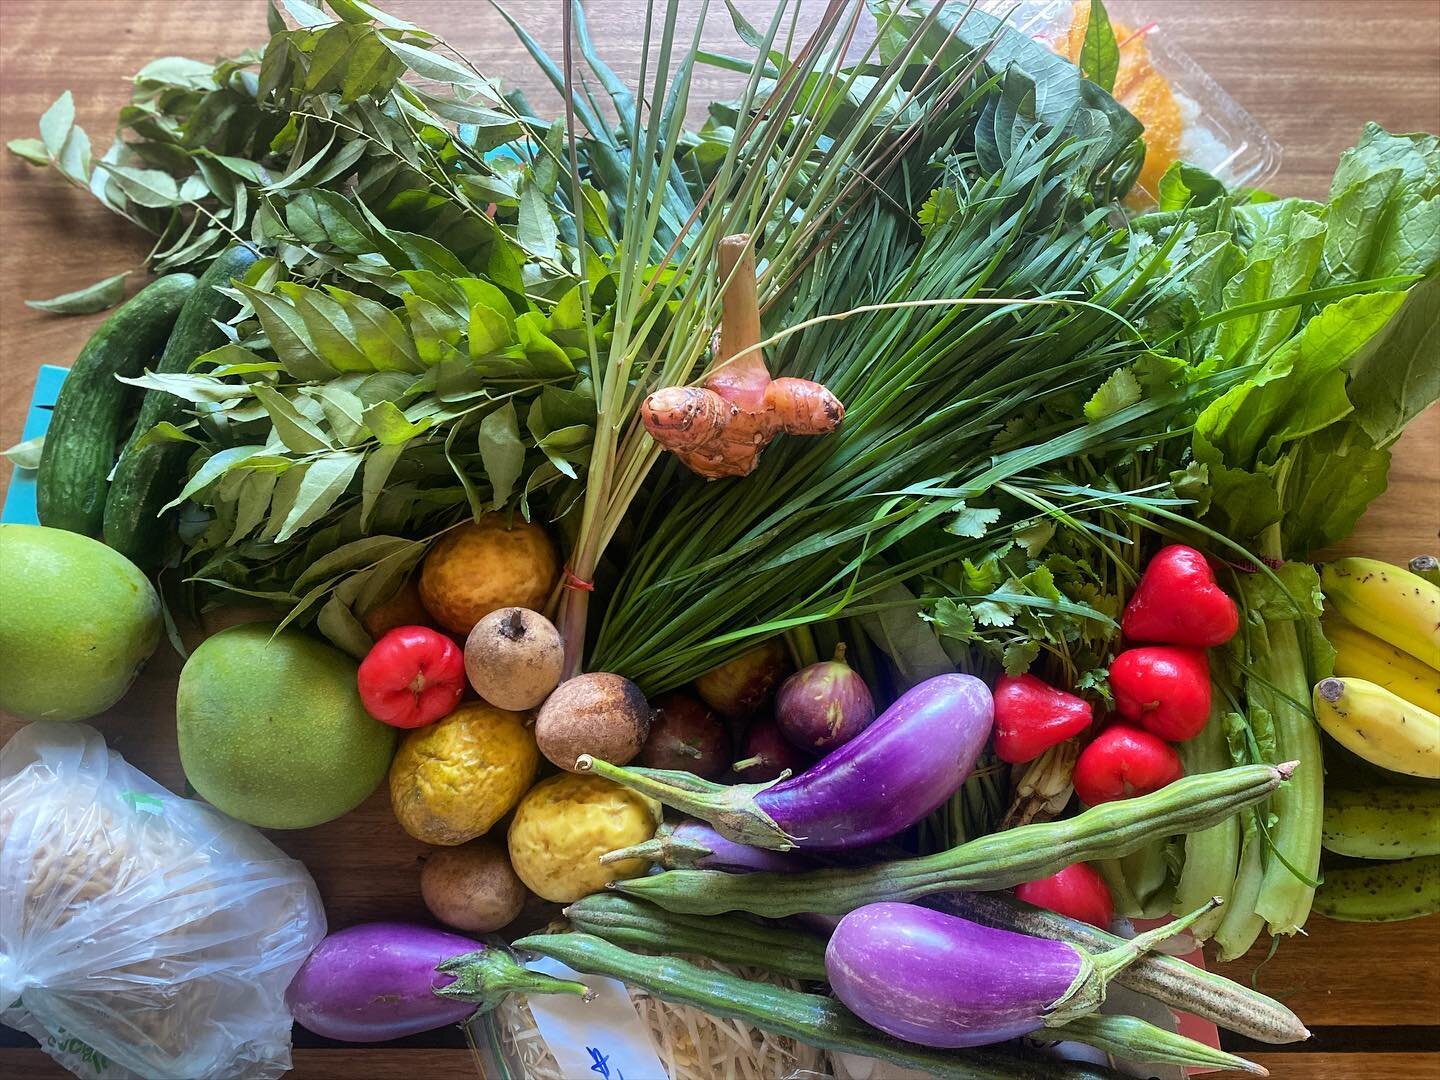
<point x="600" y="1039"/>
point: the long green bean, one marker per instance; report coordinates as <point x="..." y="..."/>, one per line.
<point x="997" y="861"/>
<point x="732" y="939"/>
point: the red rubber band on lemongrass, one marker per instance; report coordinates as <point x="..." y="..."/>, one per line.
<point x="575" y="583"/>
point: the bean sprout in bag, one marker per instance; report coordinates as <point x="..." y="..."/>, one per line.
<point x="141" y="934"/>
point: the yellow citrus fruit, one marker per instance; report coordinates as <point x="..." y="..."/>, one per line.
<point x="1142" y="90"/>
<point x="563" y="826"/>
<point x="451" y="781"/>
<point x="483" y="565"/>
<point x="401" y="608"/>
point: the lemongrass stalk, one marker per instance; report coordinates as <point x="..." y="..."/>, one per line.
<point x="1212" y="854"/>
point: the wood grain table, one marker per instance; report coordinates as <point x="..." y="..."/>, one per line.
<point x="1312" y="72"/>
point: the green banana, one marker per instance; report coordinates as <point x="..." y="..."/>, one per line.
<point x="1381" y="892"/>
<point x="1398" y="821"/>
<point x="1387" y="601"/>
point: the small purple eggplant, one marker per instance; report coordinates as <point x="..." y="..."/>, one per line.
<point x="824" y="706"/>
<point x="938" y="980"/>
<point x="767" y="755"/>
<point x="693" y="845"/>
<point x="901" y="767"/>
<point x="382" y="980"/>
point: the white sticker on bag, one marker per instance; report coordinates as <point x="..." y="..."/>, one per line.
<point x="600" y="1039"/>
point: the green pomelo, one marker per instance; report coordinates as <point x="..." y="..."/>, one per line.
<point x="77" y="621"/>
<point x="272" y="730"/>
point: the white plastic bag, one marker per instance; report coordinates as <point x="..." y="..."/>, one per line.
<point x="141" y="934"/>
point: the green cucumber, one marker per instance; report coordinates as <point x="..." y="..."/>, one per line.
<point x="91" y="410"/>
<point x="1396" y="821"/>
<point x="149" y="476"/>
<point x="1381" y="891"/>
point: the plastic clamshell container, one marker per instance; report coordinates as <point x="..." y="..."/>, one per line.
<point x="1218" y="135"/>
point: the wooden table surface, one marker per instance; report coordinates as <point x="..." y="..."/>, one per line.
<point x="1311" y="71"/>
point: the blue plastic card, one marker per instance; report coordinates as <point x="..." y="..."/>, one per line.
<point x="20" y="496"/>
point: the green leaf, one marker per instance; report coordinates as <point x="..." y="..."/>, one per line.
<point x="489" y="331"/>
<point x="105" y="293"/>
<point x="32" y="150"/>
<point x="342" y="629"/>
<point x="378" y="332"/>
<point x="296" y="431"/>
<point x="146" y="187"/>
<point x="1019" y="655"/>
<point x="1396" y="375"/>
<point x="56" y="122"/>
<point x="378" y="465"/>
<point x="1119" y="391"/>
<point x="1100" y="55"/>
<point x="252" y="503"/>
<point x="26" y="455"/>
<point x="215" y="466"/>
<point x="166" y="432"/>
<point x="1333" y="476"/>
<point x="972" y="522"/>
<point x="288" y="335"/>
<point x="953" y="619"/>
<point x="548" y="358"/>
<point x="196" y="388"/>
<point x="536" y="229"/>
<point x="1384" y="201"/>
<point x="431" y="65"/>
<point x="501" y="452"/>
<point x="939" y="208"/>
<point x="325" y="480"/>
<point x="390" y="426"/>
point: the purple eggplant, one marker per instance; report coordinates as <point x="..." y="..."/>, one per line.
<point x="901" y="767"/>
<point x="382" y="980"/>
<point x="938" y="980"/>
<point x="693" y="845"/>
<point x="766" y="754"/>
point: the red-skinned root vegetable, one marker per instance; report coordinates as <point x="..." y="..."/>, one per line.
<point x="896" y="771"/>
<point x="1163" y="688"/>
<point x="411" y="677"/>
<point x="1031" y="716"/>
<point x="1124" y="762"/>
<point x="720" y="428"/>
<point x="824" y="705"/>
<point x="384" y="980"/>
<point x="685" y="735"/>
<point x="1078" y="892"/>
<point x="939" y="980"/>
<point x="767" y="755"/>
<point x="694" y="845"/>
<point x="1178" y="602"/>
<point x="743" y="686"/>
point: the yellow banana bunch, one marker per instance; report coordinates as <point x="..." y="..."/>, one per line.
<point x="1381" y="727"/>
<point x="1359" y="655"/>
<point x="1393" y="604"/>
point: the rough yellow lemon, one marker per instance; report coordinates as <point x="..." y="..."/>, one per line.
<point x="565" y="824"/>
<point x="483" y="565"/>
<point x="451" y="781"/>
